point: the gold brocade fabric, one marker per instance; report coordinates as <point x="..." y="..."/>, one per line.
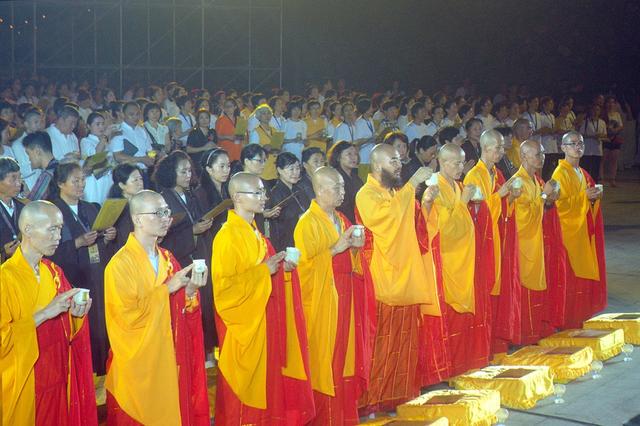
<point x="519" y="387"/>
<point x="628" y="322"/>
<point x="605" y="343"/>
<point x="566" y="364"/>
<point x="460" y="407"/>
<point x="394" y="421"/>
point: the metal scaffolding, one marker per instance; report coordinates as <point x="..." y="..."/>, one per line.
<point x="201" y="43"/>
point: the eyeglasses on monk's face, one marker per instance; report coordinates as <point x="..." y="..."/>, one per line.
<point x="258" y="194"/>
<point x="160" y="214"/>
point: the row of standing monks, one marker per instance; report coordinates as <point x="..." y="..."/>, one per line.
<point x="430" y="289"/>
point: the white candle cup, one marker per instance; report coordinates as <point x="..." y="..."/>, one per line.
<point x="358" y="231"/>
<point x="516" y="183"/>
<point x="81" y="297"/>
<point x="292" y="255"/>
<point x="199" y="266"/>
<point x="433" y="180"/>
<point x="477" y="196"/>
<point x="599" y="187"/>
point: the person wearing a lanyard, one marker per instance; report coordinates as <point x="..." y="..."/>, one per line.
<point x="290" y="196"/>
<point x="226" y="127"/>
<point x="188" y="121"/>
<point x="345" y="131"/>
<point x="594" y="130"/>
<point x="316" y="126"/>
<point x="365" y="133"/>
<point x="277" y="120"/>
<point x="173" y="176"/>
<point x="295" y="131"/>
<point x="83" y="253"/>
<point x="533" y="116"/>
<point x="10" y="206"/>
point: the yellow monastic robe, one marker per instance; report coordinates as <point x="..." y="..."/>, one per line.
<point x="314" y="126"/>
<point x="529" y="208"/>
<point x="573" y="206"/>
<point x="401" y="274"/>
<point x="513" y="153"/>
<point x="480" y="176"/>
<point x="450" y="218"/>
<point x="241" y="290"/>
<point x="269" y="172"/>
<point x="143" y="375"/>
<point x="21" y="296"/>
<point x="314" y="236"/>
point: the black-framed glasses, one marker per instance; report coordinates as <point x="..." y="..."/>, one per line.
<point x="160" y="214"/>
<point x="260" y="194"/>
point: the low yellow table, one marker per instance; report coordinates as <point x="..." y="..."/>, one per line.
<point x="604" y="343"/>
<point x="566" y="363"/>
<point x="460" y="407"/>
<point x="393" y="421"/>
<point x="629" y="323"/>
<point x="519" y="386"/>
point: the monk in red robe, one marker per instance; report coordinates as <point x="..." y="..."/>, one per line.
<point x="497" y="272"/>
<point x="263" y="367"/>
<point x="582" y="234"/>
<point x="45" y="351"/>
<point x="155" y="373"/>
<point x="331" y="280"/>
<point x="405" y="287"/>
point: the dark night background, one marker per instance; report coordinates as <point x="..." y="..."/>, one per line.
<point x="545" y="44"/>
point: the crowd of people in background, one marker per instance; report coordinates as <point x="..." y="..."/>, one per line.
<point x="78" y="145"/>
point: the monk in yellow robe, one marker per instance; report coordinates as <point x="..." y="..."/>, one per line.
<point x="582" y="233"/>
<point x="331" y="281"/>
<point x="403" y="279"/>
<point x="155" y="374"/>
<point x="45" y="354"/>
<point x="452" y="236"/>
<point x="497" y="297"/>
<point x="263" y="367"/>
<point x="531" y="208"/>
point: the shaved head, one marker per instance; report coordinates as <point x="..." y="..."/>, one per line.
<point x="36" y="213"/>
<point x="381" y="153"/>
<point x="324" y="177"/>
<point x="243" y="181"/>
<point x="140" y="202"/>
<point x="529" y="147"/>
<point x="490" y="138"/>
<point x="450" y="151"/>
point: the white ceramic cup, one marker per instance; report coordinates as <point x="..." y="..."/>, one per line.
<point x="358" y="231"/>
<point x="199" y="266"/>
<point x="599" y="187"/>
<point x="81" y="297"/>
<point x="516" y="183"/>
<point x="293" y="255"/>
<point x="433" y="180"/>
<point x="477" y="196"/>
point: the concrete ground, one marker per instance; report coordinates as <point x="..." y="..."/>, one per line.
<point x="615" y="398"/>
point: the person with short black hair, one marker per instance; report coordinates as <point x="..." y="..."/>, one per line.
<point x="292" y="200"/>
<point x="343" y="156"/>
<point x="38" y="148"/>
<point x="417" y="128"/>
<point x="10" y="206"/>
<point x="365" y="133"/>
<point x="127" y="182"/>
<point x="133" y="144"/>
<point x="312" y="159"/>
<point x="158" y="132"/>
<point x="64" y="141"/>
<point x="33" y="121"/>
<point x="186" y="116"/>
<point x="202" y="138"/>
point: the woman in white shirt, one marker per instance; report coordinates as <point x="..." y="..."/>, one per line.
<point x="97" y="187"/>
<point x="158" y="132"/>
<point x="594" y="131"/>
<point x="295" y="131"/>
<point x="615" y="128"/>
<point x="5" y="150"/>
<point x="488" y="120"/>
<point x="436" y="121"/>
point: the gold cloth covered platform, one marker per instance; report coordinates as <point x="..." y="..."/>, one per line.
<point x="520" y="387"/>
<point x="566" y="363"/>
<point x="604" y="343"/>
<point x="460" y="407"/>
<point x="629" y="323"/>
<point x="394" y="421"/>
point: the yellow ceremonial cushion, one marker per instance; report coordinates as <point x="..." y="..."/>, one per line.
<point x="460" y="407"/>
<point x="605" y="343"/>
<point x="519" y="386"/>
<point x="391" y="421"/>
<point x="566" y="363"/>
<point x="629" y="323"/>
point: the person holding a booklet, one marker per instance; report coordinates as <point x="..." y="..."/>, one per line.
<point x="83" y="253"/>
<point x="290" y="197"/>
<point x="213" y="197"/>
<point x="98" y="171"/>
<point x="173" y="176"/>
<point x="267" y="137"/>
<point x="127" y="182"/>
